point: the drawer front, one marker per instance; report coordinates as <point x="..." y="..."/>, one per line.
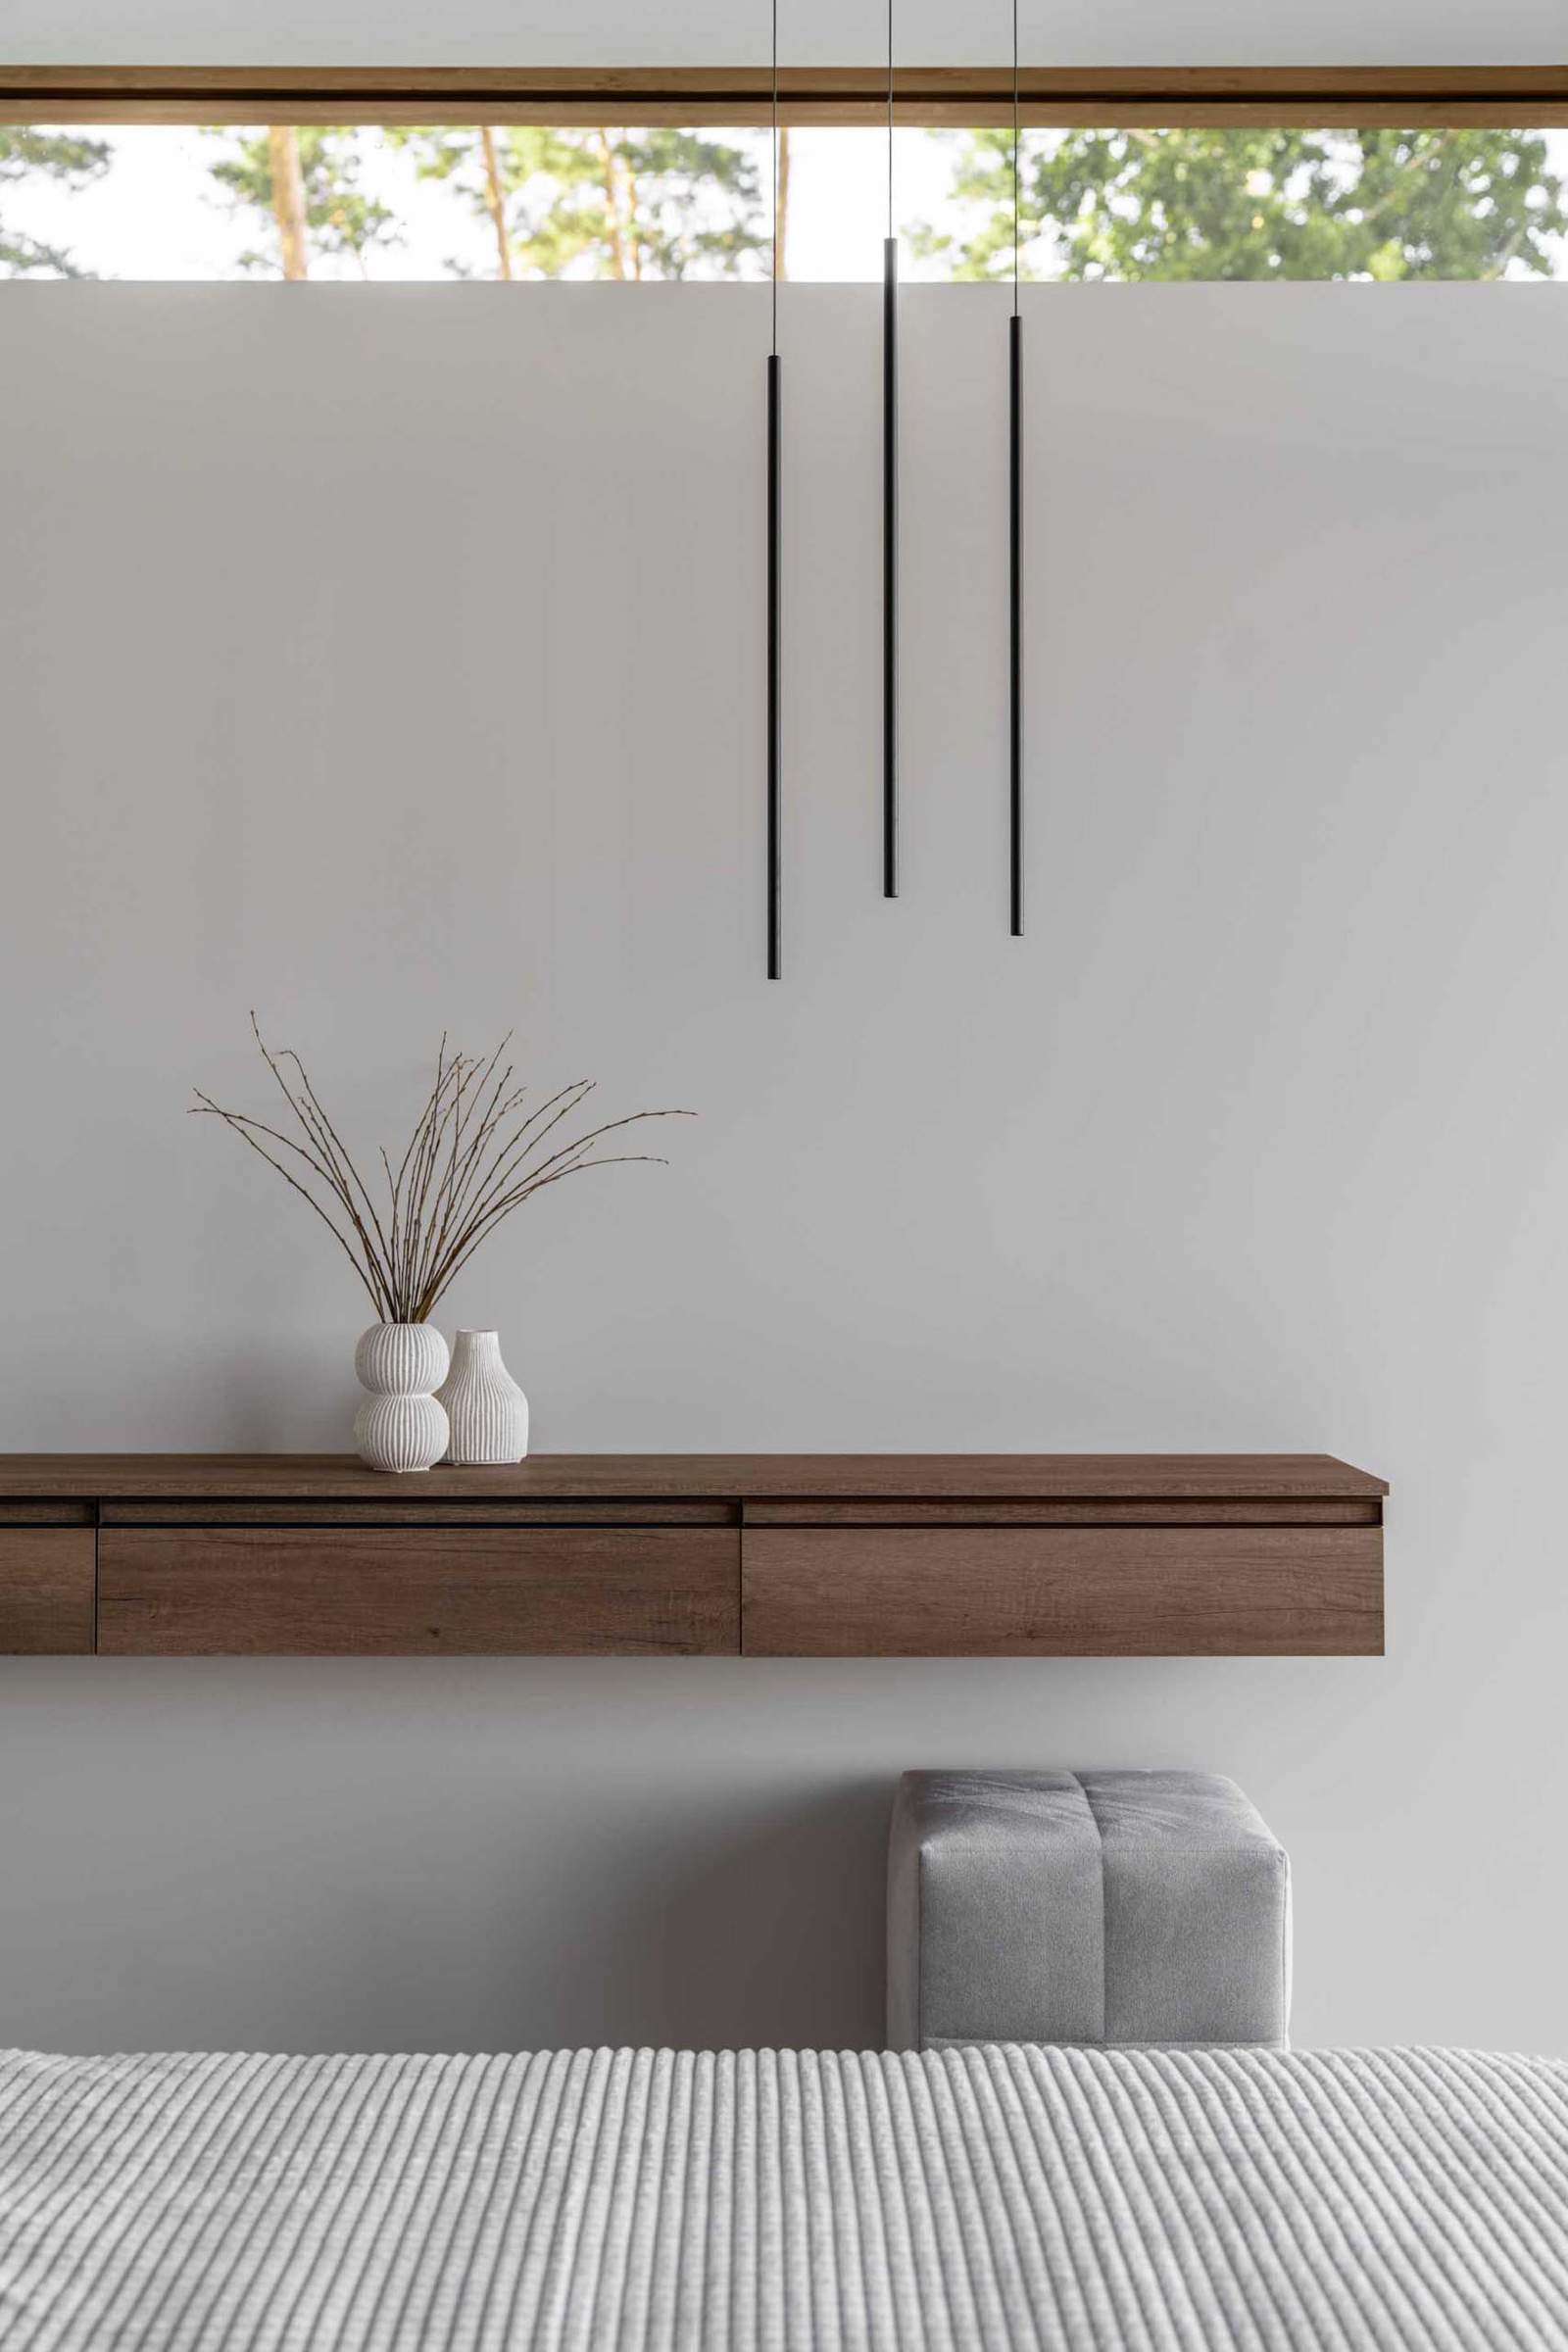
<point x="1059" y="1591"/>
<point x="228" y="1592"/>
<point x="47" y="1579"/>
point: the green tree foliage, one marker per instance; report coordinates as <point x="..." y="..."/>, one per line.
<point x="1259" y="204"/>
<point x="612" y="204"/>
<point x="27" y="153"/>
<point x="339" y="218"/>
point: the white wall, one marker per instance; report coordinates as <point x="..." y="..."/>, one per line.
<point x="1067" y="32"/>
<point x="388" y="658"/>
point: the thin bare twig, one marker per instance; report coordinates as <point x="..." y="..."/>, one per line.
<point x="471" y="1158"/>
<point x="241" y="1128"/>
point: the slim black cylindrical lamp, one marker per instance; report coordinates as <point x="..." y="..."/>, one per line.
<point x="889" y="525"/>
<point x="774" y="599"/>
<point x="1015" y="545"/>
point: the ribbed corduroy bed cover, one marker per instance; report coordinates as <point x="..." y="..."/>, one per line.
<point x="1132" y="2201"/>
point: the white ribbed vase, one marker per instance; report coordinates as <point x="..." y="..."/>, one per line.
<point x="488" y="1410"/>
<point x="399" y="1426"/>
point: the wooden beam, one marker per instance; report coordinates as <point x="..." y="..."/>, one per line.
<point x="1129" y="97"/>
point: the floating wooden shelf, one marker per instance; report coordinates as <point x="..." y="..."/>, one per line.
<point x="767" y="1555"/>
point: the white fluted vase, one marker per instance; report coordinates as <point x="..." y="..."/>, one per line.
<point x="401" y="1426"/>
<point x="487" y="1411"/>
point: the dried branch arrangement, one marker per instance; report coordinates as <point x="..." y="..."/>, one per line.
<point x="474" y="1156"/>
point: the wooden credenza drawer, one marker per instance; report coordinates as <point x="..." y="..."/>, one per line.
<point x="46" y="1591"/>
<point x="416" y="1591"/>
<point x="1061" y="1592"/>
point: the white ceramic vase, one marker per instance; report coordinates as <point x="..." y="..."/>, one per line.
<point x="399" y="1426"/>
<point x="487" y="1411"/>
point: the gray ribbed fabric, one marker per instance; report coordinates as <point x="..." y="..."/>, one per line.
<point x="1007" y="2196"/>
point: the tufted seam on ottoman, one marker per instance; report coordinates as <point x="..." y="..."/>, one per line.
<point x="1088" y="1795"/>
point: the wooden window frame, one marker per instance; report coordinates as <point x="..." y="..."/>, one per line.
<point x="1410" y="97"/>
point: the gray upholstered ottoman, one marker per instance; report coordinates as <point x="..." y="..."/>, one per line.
<point x="1101" y="1907"/>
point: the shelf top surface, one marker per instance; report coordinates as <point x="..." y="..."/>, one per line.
<point x="694" y="1477"/>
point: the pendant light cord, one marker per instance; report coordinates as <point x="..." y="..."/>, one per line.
<point x="1017" y="163"/>
<point x="890" y="521"/>
<point x="775" y="178"/>
<point x="890" y="118"/>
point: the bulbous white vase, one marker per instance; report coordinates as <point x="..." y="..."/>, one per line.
<point x="399" y="1426"/>
<point x="487" y="1411"/>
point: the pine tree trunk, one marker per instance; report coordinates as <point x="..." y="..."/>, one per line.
<point x="618" y="245"/>
<point x="633" y="233"/>
<point x="288" y="198"/>
<point x="781" y="197"/>
<point x="495" y="198"/>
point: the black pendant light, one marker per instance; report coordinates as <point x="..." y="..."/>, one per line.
<point x="775" y="716"/>
<point x="889" y="525"/>
<point x="1015" y="542"/>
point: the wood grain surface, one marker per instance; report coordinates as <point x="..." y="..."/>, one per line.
<point x="692" y="1477"/>
<point x="237" y="1592"/>
<point x="824" y="1556"/>
<point x="1130" y="97"/>
<point x="47" y="1576"/>
<point x="1062" y="1593"/>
